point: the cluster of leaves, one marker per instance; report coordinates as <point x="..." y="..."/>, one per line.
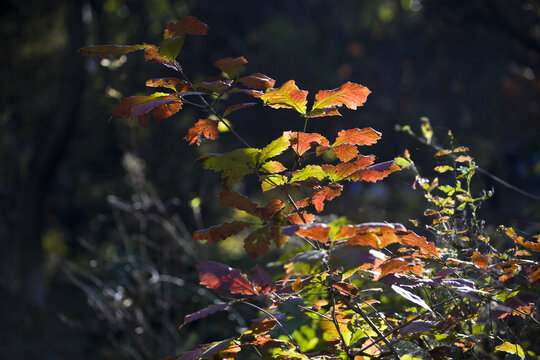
<point x="363" y="291"/>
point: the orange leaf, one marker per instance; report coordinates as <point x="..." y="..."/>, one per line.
<point x="534" y="246"/>
<point x="375" y="173"/>
<point x="426" y="249"/>
<point x="287" y="96"/>
<point x="152" y="54"/>
<point x="266" y="213"/>
<point x="230" y="66"/>
<point x="302" y="142"/>
<point x="203" y="128"/>
<point x="317" y="232"/>
<point x="297" y="219"/>
<point x="169" y="83"/>
<point x="366" y="136"/>
<point x="344" y="170"/>
<point x="221" y="277"/>
<point x="327" y="193"/>
<point x="257" y="81"/>
<point x="349" y="94"/>
<point x="344" y="152"/>
<point x="297" y="285"/>
<point x="229" y="198"/>
<point x="479" y="260"/>
<point x="220" y="232"/>
<point x="189" y="25"/>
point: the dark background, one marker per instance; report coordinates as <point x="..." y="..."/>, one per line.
<point x="470" y="66"/>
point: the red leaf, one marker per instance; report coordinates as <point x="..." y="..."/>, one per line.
<point x="257" y="243"/>
<point x="340" y="171"/>
<point x="345" y="152"/>
<point x="349" y="94"/>
<point x="221" y="277"/>
<point x="366" y="136"/>
<point x="261" y="278"/>
<point x="426" y="249"/>
<point x="266" y="213"/>
<point x="220" y="232"/>
<point x="166" y="110"/>
<point x="375" y="173"/>
<point x="230" y="66"/>
<point x="302" y="142"/>
<point x="169" y="83"/>
<point x="203" y="128"/>
<point x="257" y="81"/>
<point x="325" y="194"/>
<point x="317" y="232"/>
<point x="287" y="96"/>
<point x="229" y="198"/>
<point x="479" y="260"/>
<point x="297" y="219"/>
<point x="146" y="107"/>
<point x="189" y="25"/>
<point x="235" y="107"/>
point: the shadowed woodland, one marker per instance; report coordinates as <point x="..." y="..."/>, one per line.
<point x="98" y="215"/>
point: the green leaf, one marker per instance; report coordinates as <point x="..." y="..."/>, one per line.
<point x="233" y="165"/>
<point x="309" y="172"/>
<point x="287" y="96"/>
<point x="273" y="181"/>
<point x="275" y="148"/>
<point x="170" y="47"/>
<point x="443" y="168"/>
<point x="427" y="131"/>
<point x="511" y="349"/>
<point x="272" y="167"/>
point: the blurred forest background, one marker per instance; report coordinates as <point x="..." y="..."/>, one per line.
<point x="96" y="217"/>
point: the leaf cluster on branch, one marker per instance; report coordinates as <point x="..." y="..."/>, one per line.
<point x="357" y="291"/>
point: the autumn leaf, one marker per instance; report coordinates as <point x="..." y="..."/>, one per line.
<point x="349" y="94"/>
<point x="272" y="181"/>
<point x="233" y="165"/>
<point x="342" y="171"/>
<point x="319" y="232"/>
<point x="287" y="96"/>
<point x="203" y="128"/>
<point x="257" y="81"/>
<point x="188" y="25"/>
<point x="295" y="218"/>
<point x="152" y="54"/>
<point x="272" y="167"/>
<point x="257" y="243"/>
<point x="212" y="309"/>
<point x="510" y="348"/>
<point x="230" y="66"/>
<point x="426" y="249"/>
<point x="111" y="50"/>
<point x="169" y="83"/>
<point x="534" y="246"/>
<point x="479" y="260"/>
<point x="267" y="212"/>
<point x="375" y="172"/>
<point x="229" y="198"/>
<point x="345" y="152"/>
<point x="302" y="142"/>
<point x="327" y="193"/>
<point x="217" y="87"/>
<point x="210" y="351"/>
<point x="220" y="232"/>
<point x="366" y="136"/>
<point x="235" y="107"/>
<point x="221" y="277"/>
<point x="261" y="278"/>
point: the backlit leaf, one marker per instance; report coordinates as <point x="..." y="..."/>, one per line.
<point x="170" y="47"/>
<point x="366" y="136"/>
<point x="317" y="232"/>
<point x="273" y="181"/>
<point x="188" y="25"/>
<point x="302" y="142"/>
<point x="345" y="152"/>
<point x="230" y="66"/>
<point x="412" y="239"/>
<point x="261" y="278"/>
<point x="213" y="87"/>
<point x="267" y="212"/>
<point x="203" y="128"/>
<point x="375" y="172"/>
<point x="349" y="94"/>
<point x="308" y="172"/>
<point x="272" y="167"/>
<point x="295" y="218"/>
<point x="534" y="246"/>
<point x="235" y="107"/>
<point x="510" y="348"/>
<point x="108" y="50"/>
<point x="257" y="81"/>
<point x="208" y="351"/>
<point x="152" y="54"/>
<point x="169" y="83"/>
<point x="221" y="277"/>
<point x="287" y="96"/>
<point x="327" y="193"/>
<point x="479" y="260"/>
<point x="220" y="232"/>
<point x="233" y="165"/>
<point x="275" y="148"/>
